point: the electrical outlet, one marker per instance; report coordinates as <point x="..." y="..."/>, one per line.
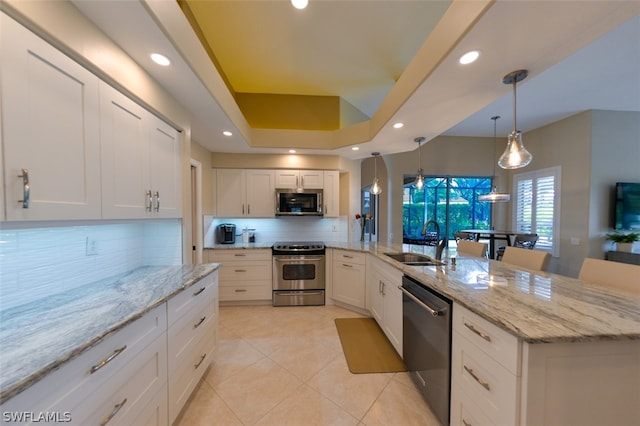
<point x="91" y="247"/>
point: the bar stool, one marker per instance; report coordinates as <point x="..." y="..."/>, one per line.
<point x="621" y="276"/>
<point x="527" y="241"/>
<point x="472" y="248"/>
<point x="530" y="259"/>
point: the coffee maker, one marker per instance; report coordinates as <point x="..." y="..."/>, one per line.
<point x="226" y="233"/>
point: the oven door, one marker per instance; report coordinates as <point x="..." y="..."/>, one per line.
<point x="298" y="272"/>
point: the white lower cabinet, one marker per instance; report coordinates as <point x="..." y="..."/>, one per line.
<point x="348" y="277"/>
<point x="385" y="299"/>
<point x="130" y="364"/>
<point x="245" y="274"/>
<point x="192" y="322"/>
<point x="142" y="374"/>
<point x="485" y="371"/>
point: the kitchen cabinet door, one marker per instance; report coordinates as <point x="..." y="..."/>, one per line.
<point x="231" y="194"/>
<point x="51" y="133"/>
<point x="165" y="169"/>
<point x="308" y="179"/>
<point x="126" y="189"/>
<point x="261" y="199"/>
<point x="331" y="193"/>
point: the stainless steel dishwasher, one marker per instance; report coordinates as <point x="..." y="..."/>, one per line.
<point x="426" y="328"/>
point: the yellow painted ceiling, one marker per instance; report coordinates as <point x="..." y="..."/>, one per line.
<point x="322" y="68"/>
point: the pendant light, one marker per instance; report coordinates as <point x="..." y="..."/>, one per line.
<point x="494" y="196"/>
<point x="516" y="155"/>
<point x="376" y="189"/>
<point x="419" y="182"/>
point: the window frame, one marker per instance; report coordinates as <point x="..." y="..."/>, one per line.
<point x="535" y="176"/>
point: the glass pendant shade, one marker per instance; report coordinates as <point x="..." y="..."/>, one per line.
<point x="515" y="155"/>
<point x="494" y="196"/>
<point x="419" y="182"/>
<point x="376" y="189"/>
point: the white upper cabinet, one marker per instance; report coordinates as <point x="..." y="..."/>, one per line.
<point x="331" y="193"/>
<point x="126" y="188"/>
<point x="50" y="125"/>
<point x="245" y="193"/>
<point x="308" y="179"/>
<point x="140" y="161"/>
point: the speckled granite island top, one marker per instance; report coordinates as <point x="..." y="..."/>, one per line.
<point x="39" y="337"/>
<point x="536" y="307"/>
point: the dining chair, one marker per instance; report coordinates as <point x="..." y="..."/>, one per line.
<point x="463" y="236"/>
<point x="530" y="259"/>
<point x="527" y="241"/>
<point x="472" y="248"/>
<point x="621" y="276"/>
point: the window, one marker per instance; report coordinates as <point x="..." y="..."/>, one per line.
<point x="537" y="206"/>
<point x="452" y="201"/>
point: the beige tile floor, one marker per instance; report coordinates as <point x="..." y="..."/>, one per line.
<point x="285" y="366"/>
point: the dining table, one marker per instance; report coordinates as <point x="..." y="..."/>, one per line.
<point x="492" y="235"/>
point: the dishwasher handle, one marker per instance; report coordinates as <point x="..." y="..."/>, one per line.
<point x="433" y="312"/>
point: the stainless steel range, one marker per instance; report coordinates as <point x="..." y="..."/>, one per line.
<point x="298" y="273"/>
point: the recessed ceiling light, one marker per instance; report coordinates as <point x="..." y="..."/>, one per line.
<point x="398" y="125"/>
<point x="355" y="148"/>
<point x="160" y="59"/>
<point x="292" y="151"/>
<point x="227" y="133"/>
<point x="469" y="57"/>
<point x="300" y="4"/>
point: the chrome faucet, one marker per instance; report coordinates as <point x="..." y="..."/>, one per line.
<point x="441" y="243"/>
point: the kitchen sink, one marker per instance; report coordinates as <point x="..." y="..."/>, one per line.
<point x="414" y="259"/>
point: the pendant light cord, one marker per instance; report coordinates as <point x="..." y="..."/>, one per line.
<point x="515" y="127"/>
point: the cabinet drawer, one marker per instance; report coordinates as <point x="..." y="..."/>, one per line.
<point x="496" y="343"/>
<point x="226" y="255"/>
<point x="349" y="256"/>
<point x="128" y="392"/>
<point x="489" y="384"/>
<point x="187" y="375"/>
<point x="464" y="411"/>
<point x="251" y="290"/>
<point x="188" y="331"/>
<point x="245" y="271"/>
<point x="201" y="292"/>
<point x="74" y="380"/>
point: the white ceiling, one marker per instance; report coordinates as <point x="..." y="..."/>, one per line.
<point x="580" y="56"/>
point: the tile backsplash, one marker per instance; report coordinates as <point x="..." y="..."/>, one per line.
<point x="281" y="229"/>
<point x="39" y="262"/>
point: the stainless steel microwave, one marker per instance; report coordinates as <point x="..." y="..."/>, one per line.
<point x="305" y="202"/>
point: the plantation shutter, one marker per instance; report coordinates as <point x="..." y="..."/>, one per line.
<point x="537" y="206"/>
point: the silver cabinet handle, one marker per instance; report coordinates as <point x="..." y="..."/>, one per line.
<point x="240" y="290"/>
<point x="196" y="325"/>
<point x="432" y="311"/>
<point x="199" y="291"/>
<point x="478" y="332"/>
<point x="239" y="254"/>
<point x="149" y="201"/>
<point x="383" y="284"/>
<point x="477" y="379"/>
<point x="116" y="408"/>
<point x="107" y="360"/>
<point x="348" y="256"/>
<point x="242" y="208"/>
<point x="297" y="186"/>
<point x="200" y="362"/>
<point x="380" y="286"/>
<point x="346" y="265"/>
<point x="157" y="197"/>
<point x="326" y="209"/>
<point x="465" y="423"/>
<point x="26" y="189"/>
<point x="248" y="208"/>
<point x="302" y="181"/>
<point x="240" y="270"/>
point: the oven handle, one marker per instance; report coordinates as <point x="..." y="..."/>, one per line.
<point x="432" y="311"/>
<point x="297" y="293"/>
<point x="298" y="259"/>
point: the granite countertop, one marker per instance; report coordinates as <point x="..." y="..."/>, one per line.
<point x="536" y="307"/>
<point x="72" y="322"/>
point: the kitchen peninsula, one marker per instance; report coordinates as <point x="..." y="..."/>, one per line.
<point x="555" y="342"/>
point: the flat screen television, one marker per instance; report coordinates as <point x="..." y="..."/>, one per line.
<point x="627" y="206"/>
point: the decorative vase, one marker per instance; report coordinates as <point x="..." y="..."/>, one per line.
<point x="627" y="247"/>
